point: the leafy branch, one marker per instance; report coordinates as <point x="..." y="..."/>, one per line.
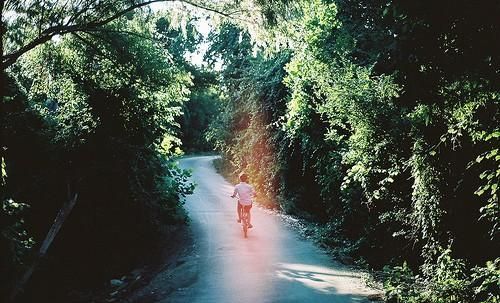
<point x="62" y="29"/>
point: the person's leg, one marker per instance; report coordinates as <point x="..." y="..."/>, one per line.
<point x="238" y="210"/>
<point x="249" y="216"/>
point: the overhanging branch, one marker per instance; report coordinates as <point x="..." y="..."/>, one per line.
<point x="50" y="32"/>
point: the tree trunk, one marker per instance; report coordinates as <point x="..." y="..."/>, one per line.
<point x="56" y="226"/>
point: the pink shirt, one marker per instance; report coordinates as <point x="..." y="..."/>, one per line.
<point x="245" y="193"/>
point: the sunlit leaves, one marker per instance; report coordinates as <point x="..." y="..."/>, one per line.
<point x="491" y="181"/>
<point x="14" y="228"/>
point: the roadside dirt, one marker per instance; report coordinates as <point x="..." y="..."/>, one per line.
<point x="179" y="270"/>
<point x="164" y="270"/>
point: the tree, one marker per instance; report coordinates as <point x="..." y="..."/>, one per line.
<point x="91" y="111"/>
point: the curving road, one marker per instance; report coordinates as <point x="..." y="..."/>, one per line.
<point x="273" y="265"/>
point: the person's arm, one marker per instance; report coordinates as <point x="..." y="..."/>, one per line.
<point x="234" y="193"/>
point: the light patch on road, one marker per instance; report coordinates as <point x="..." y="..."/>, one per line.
<point x="320" y="278"/>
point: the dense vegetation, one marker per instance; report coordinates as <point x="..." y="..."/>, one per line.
<point x="92" y="116"/>
<point x="378" y="121"/>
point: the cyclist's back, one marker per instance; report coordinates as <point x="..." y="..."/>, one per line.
<point x="245" y="193"/>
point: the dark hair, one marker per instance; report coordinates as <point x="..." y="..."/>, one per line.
<point x="243" y="177"/>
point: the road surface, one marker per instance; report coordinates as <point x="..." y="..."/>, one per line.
<point x="274" y="264"/>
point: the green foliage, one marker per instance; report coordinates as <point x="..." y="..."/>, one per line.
<point x="88" y="113"/>
<point x="198" y="112"/>
<point x="486" y="282"/>
<point x="345" y="113"/>
<point x="426" y="214"/>
<point x="250" y="108"/>
<point x="385" y="132"/>
<point x="16" y="232"/>
<point x="178" y="39"/>
<point x="401" y="285"/>
<point x="491" y="177"/>
<point x="446" y="281"/>
<point x="203" y="102"/>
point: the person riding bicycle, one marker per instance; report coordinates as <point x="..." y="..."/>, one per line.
<point x="245" y="194"/>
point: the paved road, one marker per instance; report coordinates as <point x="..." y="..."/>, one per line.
<point x="274" y="264"/>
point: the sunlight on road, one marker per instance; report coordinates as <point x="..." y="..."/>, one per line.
<point x="317" y="277"/>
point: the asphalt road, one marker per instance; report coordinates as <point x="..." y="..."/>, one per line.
<point x="274" y="264"/>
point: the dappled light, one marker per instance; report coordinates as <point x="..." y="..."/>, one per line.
<point x="320" y="278"/>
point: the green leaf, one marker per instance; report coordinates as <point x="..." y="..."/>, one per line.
<point x="495" y="134"/>
<point x="494" y="188"/>
<point x="492" y="153"/>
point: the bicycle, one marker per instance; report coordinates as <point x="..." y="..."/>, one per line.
<point x="245" y="213"/>
<point x="245" y="209"/>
